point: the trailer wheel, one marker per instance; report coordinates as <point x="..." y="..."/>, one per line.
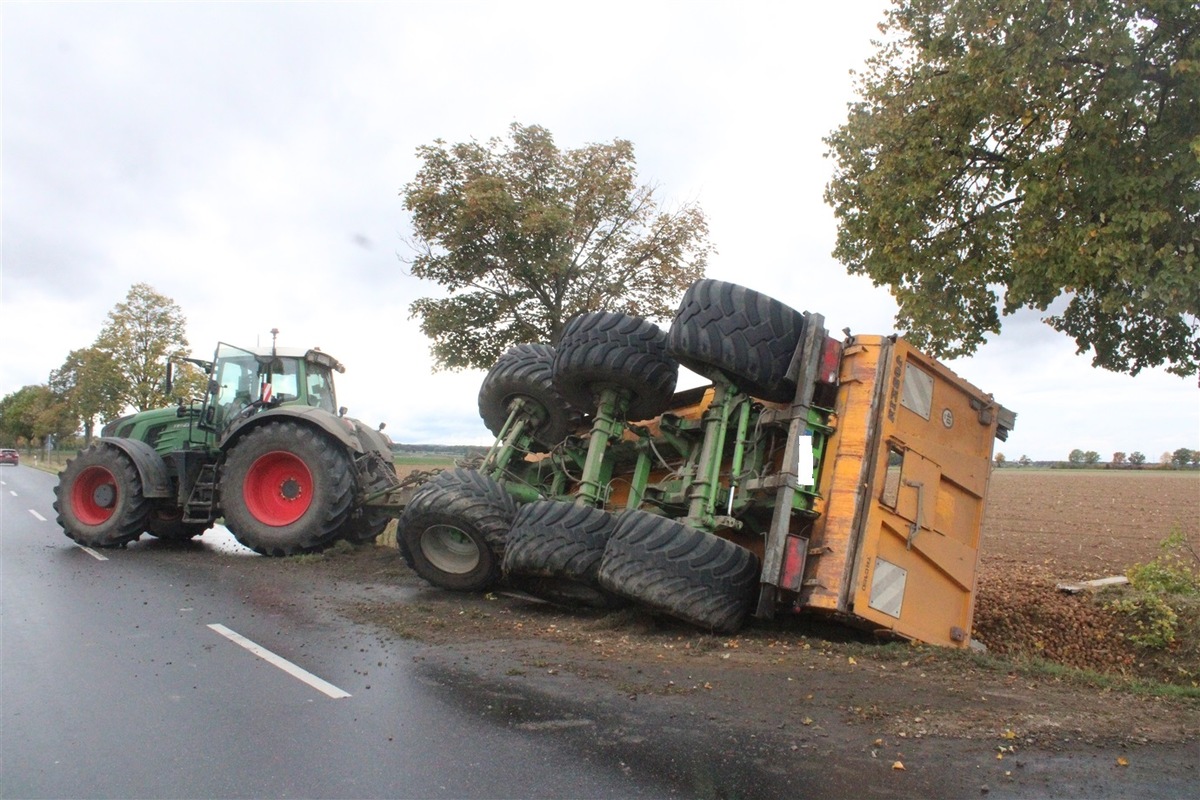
<point x="748" y="337"/>
<point x="99" y="498"/>
<point x="365" y="528"/>
<point x="525" y="372"/>
<point x="677" y="570"/>
<point x="602" y="349"/>
<point x="453" y="531"/>
<point x="554" y="551"/>
<point x="286" y="489"/>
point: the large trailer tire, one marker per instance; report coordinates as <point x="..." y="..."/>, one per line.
<point x="746" y="336"/>
<point x="677" y="570"/>
<point x="453" y="531"/>
<point x="602" y="349"/>
<point x="526" y="372"/>
<point x="554" y="551"/>
<point x="286" y="489"/>
<point x="99" y="498"/>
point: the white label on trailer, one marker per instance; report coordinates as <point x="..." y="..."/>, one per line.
<point x="804" y="470"/>
<point x="887" y="588"/>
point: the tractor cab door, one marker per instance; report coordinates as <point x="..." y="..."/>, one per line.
<point x="915" y="566"/>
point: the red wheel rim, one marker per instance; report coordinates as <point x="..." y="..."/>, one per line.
<point x="94" y="496"/>
<point x="278" y="489"/>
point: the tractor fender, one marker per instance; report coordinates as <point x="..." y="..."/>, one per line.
<point x="372" y="439"/>
<point x="340" y="428"/>
<point x="156" y="480"/>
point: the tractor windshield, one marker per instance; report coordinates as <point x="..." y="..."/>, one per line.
<point x="242" y="377"/>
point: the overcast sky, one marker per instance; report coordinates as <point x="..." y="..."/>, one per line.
<point x="246" y="160"/>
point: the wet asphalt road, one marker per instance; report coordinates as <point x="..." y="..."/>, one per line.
<point x="115" y="685"/>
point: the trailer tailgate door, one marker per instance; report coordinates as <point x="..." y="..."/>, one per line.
<point x="915" y="566"/>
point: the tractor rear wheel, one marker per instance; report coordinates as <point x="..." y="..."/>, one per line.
<point x="99" y="498"/>
<point x="746" y="336"/>
<point x="554" y="551"/>
<point x="601" y="350"/>
<point x="680" y="571"/>
<point x="453" y="531"/>
<point x="286" y="489"/>
<point x="525" y="372"/>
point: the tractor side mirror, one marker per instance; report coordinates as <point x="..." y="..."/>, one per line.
<point x="342" y="411"/>
<point x="167" y="382"/>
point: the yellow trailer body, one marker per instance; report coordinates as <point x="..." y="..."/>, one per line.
<point x="902" y="491"/>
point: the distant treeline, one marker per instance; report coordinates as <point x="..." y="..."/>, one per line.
<point x="452" y="450"/>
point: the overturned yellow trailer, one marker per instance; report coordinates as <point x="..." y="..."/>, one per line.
<point x="818" y="475"/>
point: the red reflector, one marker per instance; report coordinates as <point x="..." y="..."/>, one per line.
<point x="831" y="360"/>
<point x="795" y="553"/>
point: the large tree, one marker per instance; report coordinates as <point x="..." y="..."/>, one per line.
<point x="524" y="236"/>
<point x="30" y="414"/>
<point x="91" y="387"/>
<point x="1004" y="153"/>
<point x="140" y="334"/>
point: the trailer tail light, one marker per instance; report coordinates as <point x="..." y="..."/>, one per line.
<point x="831" y="360"/>
<point x="795" y="553"/>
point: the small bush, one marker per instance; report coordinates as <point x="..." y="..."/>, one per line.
<point x="1159" y="587"/>
<point x="1155" y="620"/>
<point x="1176" y="571"/>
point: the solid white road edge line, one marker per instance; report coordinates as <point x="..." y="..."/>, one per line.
<point x="39" y="517"/>
<point x="279" y="661"/>
<point x="92" y="553"/>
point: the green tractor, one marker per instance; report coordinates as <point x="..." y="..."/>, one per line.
<point x="267" y="449"/>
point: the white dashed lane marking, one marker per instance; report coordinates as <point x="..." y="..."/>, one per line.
<point x="281" y="662"/>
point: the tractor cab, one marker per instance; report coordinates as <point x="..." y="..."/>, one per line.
<point x="244" y="381"/>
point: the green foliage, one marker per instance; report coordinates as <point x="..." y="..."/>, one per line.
<point x="525" y="236"/>
<point x="1159" y="587"/>
<point x="138" y="337"/>
<point x="32" y="413"/>
<point x="1185" y="456"/>
<point x="1175" y="571"/>
<point x="1155" y="620"/>
<point x="1004" y="153"/>
<point x="89" y="384"/>
<point x="1137" y="458"/>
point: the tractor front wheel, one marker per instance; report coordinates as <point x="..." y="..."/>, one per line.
<point x="99" y="498"/>
<point x="286" y="489"/>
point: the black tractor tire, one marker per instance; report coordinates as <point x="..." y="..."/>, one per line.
<point x="365" y="527"/>
<point x="554" y="551"/>
<point x="748" y="337"/>
<point x="601" y="349"/>
<point x="286" y="489"/>
<point x="99" y="498"/>
<point x="680" y="571"/>
<point x="526" y="372"/>
<point x="453" y="532"/>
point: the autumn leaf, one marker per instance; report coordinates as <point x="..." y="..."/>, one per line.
<point x="899" y="766"/>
